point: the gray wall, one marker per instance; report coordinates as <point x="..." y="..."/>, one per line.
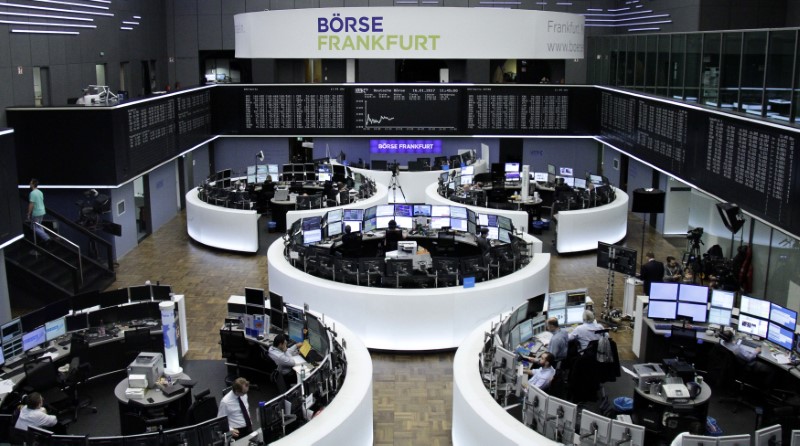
<point x="202" y="165"/>
<point x="580" y="154"/>
<point x="163" y="194"/>
<point x="609" y="155"/>
<point x="238" y="153"/>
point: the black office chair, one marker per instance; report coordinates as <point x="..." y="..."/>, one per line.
<point x="327" y="268"/>
<point x="43" y="377"/>
<point x="235" y="350"/>
<point x="271" y="369"/>
<point x="682" y="343"/>
<point x="348" y="271"/>
<point x="137" y="340"/>
<point x="203" y="408"/>
<point x="446" y="244"/>
<point x="16" y="436"/>
<point x="79" y="372"/>
<point x="445" y="271"/>
<point x="474" y="267"/>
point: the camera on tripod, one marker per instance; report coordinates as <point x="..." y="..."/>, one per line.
<point x="694" y="235"/>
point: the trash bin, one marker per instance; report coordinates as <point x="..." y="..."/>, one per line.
<point x="623" y="405"/>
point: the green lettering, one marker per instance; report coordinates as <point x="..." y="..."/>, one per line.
<point x="420" y="42"/>
<point x="391" y="40"/>
<point x="403" y="46"/>
<point x="363" y="42"/>
<point x="322" y="40"/>
<point x="377" y="42"/>
<point x="434" y="38"/>
<point x="334" y="45"/>
<point x="348" y="43"/>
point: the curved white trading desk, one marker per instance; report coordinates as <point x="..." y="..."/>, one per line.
<point x="477" y="418"/>
<point x="379" y="197"/>
<point x="348" y="418"/>
<point x="581" y="229"/>
<point x="220" y="227"/>
<point x="408" y="319"/>
<point x="519" y="218"/>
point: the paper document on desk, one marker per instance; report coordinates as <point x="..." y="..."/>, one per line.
<point x="545" y="337"/>
<point x="298" y="360"/>
<point x="781" y="358"/>
<point x="6" y="386"/>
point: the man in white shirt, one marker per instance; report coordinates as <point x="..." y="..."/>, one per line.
<point x="585" y="333"/>
<point x="235" y="406"/>
<point x="33" y="414"/>
<point x="544" y="375"/>
<point x="283" y="358"/>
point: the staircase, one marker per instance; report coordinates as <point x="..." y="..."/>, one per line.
<point x="61" y="267"/>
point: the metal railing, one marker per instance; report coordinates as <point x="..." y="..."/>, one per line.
<point x="66" y="243"/>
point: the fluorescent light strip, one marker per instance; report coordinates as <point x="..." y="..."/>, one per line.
<point x="130" y="23"/>
<point x="541" y="3"/>
<point x="82" y="5"/>
<point x="619" y="9"/>
<point x="430" y="2"/>
<point x="604" y="25"/>
<point x="34" y="31"/>
<point x="46" y="16"/>
<point x="594" y="9"/>
<point x="137" y="17"/>
<point x="643" y="29"/>
<point x="126" y="28"/>
<point x="66" y="25"/>
<point x="406" y="2"/>
<point x="621" y="13"/>
<point x="564" y="3"/>
<point x="108" y="2"/>
<point x="654" y="16"/>
<point x="44" y="8"/>
<point x="500" y="3"/>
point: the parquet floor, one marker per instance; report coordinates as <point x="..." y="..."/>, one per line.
<point x="412" y="392"/>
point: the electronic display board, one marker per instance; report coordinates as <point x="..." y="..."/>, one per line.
<point x="406" y="109"/>
<point x="194" y="118"/>
<point x="150" y="133"/>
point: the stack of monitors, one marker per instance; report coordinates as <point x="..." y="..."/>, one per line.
<point x="440" y="217"/>
<point x="334" y="222"/>
<point x="12" y="338"/>
<point x="353" y="218"/>
<point x="663" y="301"/>
<point x="312" y="230"/>
<point x="512" y="172"/>
<point x="754" y="316"/>
<point x="324" y="173"/>
<point x="782" y="324"/>
<point x="557" y="306"/>
<point x="721" y="307"/>
<point x="467" y="174"/>
<point x="693" y="302"/>
<point x="540" y="177"/>
<point x="490" y="221"/>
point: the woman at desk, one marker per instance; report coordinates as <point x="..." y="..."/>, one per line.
<point x="393" y="235"/>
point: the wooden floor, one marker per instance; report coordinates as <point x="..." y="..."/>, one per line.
<point x="413" y="393"/>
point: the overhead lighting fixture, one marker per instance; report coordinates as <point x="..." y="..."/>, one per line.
<point x="45" y="8"/>
<point x="542" y="3"/>
<point x="82" y="5"/>
<point x="564" y="3"/>
<point x="500" y="3"/>
<point x="130" y="23"/>
<point x="654" y="16"/>
<point x="620" y="14"/>
<point x="46" y="16"/>
<point x="108" y="2"/>
<point x="42" y="31"/>
<point x="66" y="25"/>
<point x="126" y="28"/>
<point x="619" y="9"/>
<point x="643" y="29"/>
<point x="137" y="17"/>
<point x="430" y="2"/>
<point x="595" y="9"/>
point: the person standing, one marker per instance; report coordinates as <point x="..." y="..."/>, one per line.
<point x="672" y="270"/>
<point x="483" y="241"/>
<point x="235" y="406"/>
<point x="36" y="211"/>
<point x="652" y="271"/>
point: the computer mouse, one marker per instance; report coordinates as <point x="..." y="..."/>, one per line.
<point x="710" y="332"/>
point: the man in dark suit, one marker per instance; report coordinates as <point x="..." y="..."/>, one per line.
<point x="652" y="271"/>
<point x="351" y="243"/>
<point x="393" y="235"/>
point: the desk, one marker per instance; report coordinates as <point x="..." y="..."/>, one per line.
<point x="581" y="229"/>
<point x="649" y="409"/>
<point x="219" y="227"/>
<point x="291" y="215"/>
<point x="178" y="403"/>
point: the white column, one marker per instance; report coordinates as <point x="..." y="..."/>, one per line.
<point x="170" y="345"/>
<point x="350" y="74"/>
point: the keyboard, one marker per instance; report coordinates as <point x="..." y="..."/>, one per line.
<point x="94" y="339"/>
<point x="751" y="343"/>
<point x="64" y="342"/>
<point x="14" y="373"/>
<point x="545" y="337"/>
<point x="15" y="363"/>
<point x="663" y="326"/>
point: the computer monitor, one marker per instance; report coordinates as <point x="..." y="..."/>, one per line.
<point x="34" y="338"/>
<point x="353" y="215"/>
<point x="511" y="167"/>
<point x="182" y="436"/>
<point x="569" y="181"/>
<point x="561" y="420"/>
<point x="664" y="310"/>
<point x="557" y="299"/>
<point x="254" y="296"/>
<point x="293" y="399"/>
<point x="440" y="222"/>
<point x="754" y="307"/>
<point x="422" y="210"/>
<point x="576" y="297"/>
<point x="276" y="309"/>
<point x="663" y="291"/>
<point x="404" y="222"/>
<point x="783" y="316"/>
<point x="768" y="436"/>
<point x="370" y="212"/>
<point x="440" y="211"/>
<point x="628" y="434"/>
<point x="334" y="229"/>
<point x="692" y="293"/>
<point x="312" y="236"/>
<point x="722" y="299"/>
<point x="114" y="298"/>
<point x="596" y="179"/>
<point x="55" y="328"/>
<point x="370" y="224"/>
<point x="311" y="223"/>
<point x="697" y="312"/>
<point x="565" y="171"/>
<point x="780" y="336"/>
<point x="719" y="316"/>
<point x="85" y="300"/>
<point x="355" y="226"/>
<point x="384" y="210"/>
<point x="575" y="314"/>
<point x="467" y="170"/>
<point x="698" y="440"/>
<point x="162" y="292"/>
<point x="753" y="325"/>
<point x="140" y="293"/>
<point x="580" y="183"/>
<point x="77" y="322"/>
<point x="147" y="439"/>
<point x="559" y="313"/>
<point x="525" y="330"/>
<point x="735" y="440"/>
<point x="502" y="234"/>
<point x="503" y="358"/>
<point x="213" y="431"/>
<point x="11" y="330"/>
<point x="540" y="177"/>
<point x="297" y="322"/>
<point x="403" y="210"/>
<point x="536" y="399"/>
<point x="383" y="222"/>
<point x="335" y="216"/>
<point x="594" y="426"/>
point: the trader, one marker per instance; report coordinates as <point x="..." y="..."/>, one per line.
<point x="543" y="376"/>
<point x="651" y="271"/>
<point x="234" y="405"/>
<point x="483" y="240"/>
<point x="393" y="235"/>
<point x="586" y="332"/>
<point x="558" y="343"/>
<point x="282" y="355"/>
<point x="34" y="414"/>
<point x="351" y="243"/>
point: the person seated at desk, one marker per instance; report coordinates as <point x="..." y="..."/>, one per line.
<point x="543" y="376"/>
<point x="748" y="357"/>
<point x="563" y="187"/>
<point x="282" y="355"/>
<point x="393" y="235"/>
<point x="351" y="243"/>
<point x="558" y="345"/>
<point x="34" y="414"/>
<point x="483" y="241"/>
<point x="268" y="185"/>
<point x="585" y="333"/>
<point x="234" y="405"/>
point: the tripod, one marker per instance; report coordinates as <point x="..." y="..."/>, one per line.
<point x="608" y="311"/>
<point x="394" y="185"/>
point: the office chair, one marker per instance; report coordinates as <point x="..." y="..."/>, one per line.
<point x="16" y="436"/>
<point x="137" y="340"/>
<point x="271" y="369"/>
<point x="446" y="244"/>
<point x="682" y="343"/>
<point x="445" y="271"/>
<point x="43" y="377"/>
<point x="235" y="350"/>
<point x="474" y="267"/>
<point x="347" y="270"/>
<point x="327" y="268"/>
<point x="78" y="373"/>
<point x="203" y="408"/>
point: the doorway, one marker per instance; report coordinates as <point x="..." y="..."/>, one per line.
<point x="141" y="199"/>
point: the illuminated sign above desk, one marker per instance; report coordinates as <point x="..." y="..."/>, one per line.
<point x="405" y="146"/>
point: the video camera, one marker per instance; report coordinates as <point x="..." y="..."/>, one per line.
<point x="694" y="235"/>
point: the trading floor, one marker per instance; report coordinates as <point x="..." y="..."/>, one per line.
<point x="412" y="392"/>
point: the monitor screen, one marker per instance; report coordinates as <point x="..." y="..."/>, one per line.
<point x="596" y="179"/>
<point x="403" y="210"/>
<point x="312" y="236"/>
<point x="370" y="224"/>
<point x="512" y="167"/>
<point x="580" y="183"/>
<point x="783" y="316"/>
<point x="467" y="170"/>
<point x="512" y="177"/>
<point x="334" y="229"/>
<point x="353" y="214"/>
<point x="558" y="313"/>
<point x="525" y="330"/>
<point x="440" y="222"/>
<point x="444" y="176"/>
<point x="697" y="312"/>
<point x="140" y="293"/>
<point x="780" y="336"/>
<point x="483" y="220"/>
<point x="254" y="296"/>
<point x="422" y="209"/>
<point x="557" y="300"/>
<point x="458" y="212"/>
<point x="575" y="314"/>
<point x="569" y="181"/>
<point x="162" y="292"/>
<point x="404" y="222"/>
<point x="114" y="298"/>
<point x="385" y="210"/>
<point x="719" y="316"/>
<point x="440" y="211"/>
<point x="465" y="180"/>
<point x="504" y="223"/>
<point x="10" y="330"/>
<point x="311" y="223"/>
<point x="540" y="177"/>
<point x="693" y="293"/>
<point x="383" y="222"/>
<point x="565" y="171"/>
<point x="722" y="299"/>
<point x="662" y="309"/>
<point x="755" y="307"/>
<point x="56" y="328"/>
<point x="663" y="291"/>
<point x="753" y="326"/>
<point x="494" y="233"/>
<point x="370" y="212"/>
<point x="355" y="226"/>
<point x="334" y="216"/>
<point x="85" y="300"/>
<point x="77" y="322"/>
<point x="503" y="235"/>
<point x="458" y="224"/>
<point x="33" y="339"/>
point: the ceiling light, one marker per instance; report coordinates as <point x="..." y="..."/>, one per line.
<point x="41" y="31"/>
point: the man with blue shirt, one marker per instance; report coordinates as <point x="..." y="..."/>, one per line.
<point x="558" y="345"/>
<point x="544" y="375"/>
<point x="36" y="211"/>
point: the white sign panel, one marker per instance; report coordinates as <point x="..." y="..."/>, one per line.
<point x="409" y="33"/>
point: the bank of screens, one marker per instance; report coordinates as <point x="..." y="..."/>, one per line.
<point x="467" y="170"/>
<point x="580" y="183"/>
<point x="540" y="177"/>
<point x="557" y="300"/>
<point x="575" y="314"/>
<point x="33" y="338"/>
<point x="663" y="291"/>
<point x="297" y="321"/>
<point x="77" y="322"/>
<point x="334" y="229"/>
<point x="55" y="328"/>
<point x="754" y="307"/>
<point x="422" y="210"/>
<point x="780" y="336"/>
<point x="719" y="316"/>
<point x="696" y="312"/>
<point x="335" y="216"/>
<point x="466" y="179"/>
<point x="693" y="293"/>
<point x="722" y="299"/>
<point x="753" y="325"/>
<point x="254" y="296"/>
<point x="662" y="309"/>
<point x="502" y="234"/>
<point x="784" y="317"/>
<point x="312" y="230"/>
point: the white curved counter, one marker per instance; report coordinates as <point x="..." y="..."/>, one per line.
<point x="581" y="229"/>
<point x="219" y="227"/>
<point x="348" y="418"/>
<point x="477" y="418"/>
<point x="379" y="197"/>
<point x="519" y="218"/>
<point x="408" y="319"/>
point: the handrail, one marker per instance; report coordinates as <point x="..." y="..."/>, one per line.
<point x="66" y="240"/>
<point x="91" y="235"/>
<point x="70" y="266"/>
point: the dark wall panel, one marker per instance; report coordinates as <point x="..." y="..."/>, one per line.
<point x="10" y="205"/>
